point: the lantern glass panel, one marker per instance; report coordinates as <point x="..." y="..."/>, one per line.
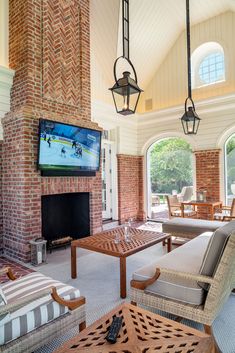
<point x="190" y="125"/>
<point x="126" y="101"/>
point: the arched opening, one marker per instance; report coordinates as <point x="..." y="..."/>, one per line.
<point x="169" y="170"/>
<point x="229" y="163"/>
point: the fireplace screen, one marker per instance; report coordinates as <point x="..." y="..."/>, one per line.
<point x="65" y="215"/>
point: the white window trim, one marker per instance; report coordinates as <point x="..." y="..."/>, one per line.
<point x="198" y="55"/>
<point x="221" y="142"/>
<point x="144" y="151"/>
<point x="147" y="151"/>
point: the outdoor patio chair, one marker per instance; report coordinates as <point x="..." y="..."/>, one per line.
<point x="155" y="200"/>
<point x="35" y="309"/>
<point x="225" y="213"/>
<point x="186" y="194"/>
<point x="197" y="293"/>
<point x="174" y="208"/>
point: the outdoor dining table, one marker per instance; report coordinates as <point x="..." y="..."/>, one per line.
<point x="210" y="205"/>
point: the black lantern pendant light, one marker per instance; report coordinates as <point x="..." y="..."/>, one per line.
<point x="190" y="120"/>
<point x="125" y="91"/>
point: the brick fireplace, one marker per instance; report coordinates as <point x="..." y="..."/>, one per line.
<point x="49" y="51"/>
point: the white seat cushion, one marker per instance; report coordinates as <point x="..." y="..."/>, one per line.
<point x="220" y="215"/>
<point x="193" y="226"/>
<point x="36" y="313"/>
<point x="186" y="258"/>
<point x="178" y="213"/>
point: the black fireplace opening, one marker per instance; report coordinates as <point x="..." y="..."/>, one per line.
<point x="65" y="216"/>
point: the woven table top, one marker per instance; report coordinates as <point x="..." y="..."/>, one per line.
<point x="141" y="332"/>
<point x="104" y="242"/>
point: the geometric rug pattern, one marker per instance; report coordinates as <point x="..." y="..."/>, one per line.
<point x="18" y="269"/>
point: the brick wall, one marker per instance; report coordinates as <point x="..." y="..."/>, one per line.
<point x="130" y="187"/>
<point x="1" y="210"/>
<point x="208" y="175"/>
<point x="49" y="50"/>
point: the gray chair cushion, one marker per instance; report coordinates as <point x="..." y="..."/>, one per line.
<point x="193" y="226"/>
<point x="185" y="291"/>
<point x="186" y="258"/>
<point x="215" y="250"/>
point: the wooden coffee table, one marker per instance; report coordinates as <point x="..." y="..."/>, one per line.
<point x="104" y="243"/>
<point x="141" y="332"/>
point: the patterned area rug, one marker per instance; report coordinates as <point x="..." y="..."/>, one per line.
<point x="98" y="281"/>
<point x="18" y="269"/>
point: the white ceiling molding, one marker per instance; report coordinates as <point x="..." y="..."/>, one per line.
<point x="216" y="104"/>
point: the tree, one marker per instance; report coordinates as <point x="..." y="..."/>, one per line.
<point x="230" y="156"/>
<point x="230" y="145"/>
<point x="170" y="165"/>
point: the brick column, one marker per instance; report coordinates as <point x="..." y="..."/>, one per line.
<point x="208" y="175"/>
<point x="49" y="49"/>
<point x="130" y="187"/>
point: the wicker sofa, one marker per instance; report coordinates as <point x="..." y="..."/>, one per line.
<point x="35" y="309"/>
<point x="193" y="281"/>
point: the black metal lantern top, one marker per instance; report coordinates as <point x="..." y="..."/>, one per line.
<point x="190" y="120"/>
<point x="125" y="91"/>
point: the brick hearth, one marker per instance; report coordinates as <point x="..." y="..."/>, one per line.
<point x="49" y="50"/>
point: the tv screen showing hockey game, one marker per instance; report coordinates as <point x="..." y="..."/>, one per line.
<point x="64" y="147"/>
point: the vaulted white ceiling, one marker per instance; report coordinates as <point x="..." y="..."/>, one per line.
<point x="154" y="27"/>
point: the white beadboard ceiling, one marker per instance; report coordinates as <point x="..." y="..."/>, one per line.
<point x="154" y="27"/>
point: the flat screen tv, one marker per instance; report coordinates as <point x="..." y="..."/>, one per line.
<point x="67" y="149"/>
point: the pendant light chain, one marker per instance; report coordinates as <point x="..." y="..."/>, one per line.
<point x="190" y="120"/>
<point x="125" y="91"/>
<point x="125" y="29"/>
<point x="188" y="50"/>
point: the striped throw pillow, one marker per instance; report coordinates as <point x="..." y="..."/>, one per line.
<point x="3" y="300"/>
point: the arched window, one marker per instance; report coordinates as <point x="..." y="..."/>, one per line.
<point x="208" y="66"/>
<point x="169" y="171"/>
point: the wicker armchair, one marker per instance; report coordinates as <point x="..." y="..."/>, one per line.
<point x="174" y="208"/>
<point x="29" y="342"/>
<point x="220" y="286"/>
<point x="225" y="213"/>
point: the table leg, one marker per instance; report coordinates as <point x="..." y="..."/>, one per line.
<point x="212" y="212"/>
<point x="169" y="243"/>
<point x="182" y="210"/>
<point x="73" y="262"/>
<point x="123" y="277"/>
